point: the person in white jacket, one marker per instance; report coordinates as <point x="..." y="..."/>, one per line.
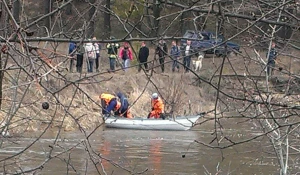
<point x="98" y="48"/>
<point x="90" y="52"/>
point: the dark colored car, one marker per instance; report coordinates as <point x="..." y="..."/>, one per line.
<point x="208" y="43"/>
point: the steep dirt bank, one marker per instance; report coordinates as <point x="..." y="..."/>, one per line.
<point x="74" y="105"/>
<point x="74" y="98"/>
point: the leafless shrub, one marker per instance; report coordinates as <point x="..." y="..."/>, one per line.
<point x="174" y="96"/>
<point x="34" y="69"/>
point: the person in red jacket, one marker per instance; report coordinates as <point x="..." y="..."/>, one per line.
<point x="157" y="107"/>
<point x="126" y="55"/>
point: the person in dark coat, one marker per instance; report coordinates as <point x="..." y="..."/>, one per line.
<point x="271" y="55"/>
<point x="143" y="56"/>
<point x="79" y="61"/>
<point x="162" y="51"/>
<point x="124" y="109"/>
<point x="72" y="48"/>
<point x="175" y="54"/>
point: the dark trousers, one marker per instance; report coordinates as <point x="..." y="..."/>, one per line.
<point x="187" y="63"/>
<point x="143" y="63"/>
<point x="270" y="67"/>
<point x="90" y="65"/>
<point x="112" y="63"/>
<point x="97" y="61"/>
<point x="162" y="63"/>
<point x="71" y="63"/>
<point x="79" y="63"/>
<point x="175" y="64"/>
<point x="103" y="105"/>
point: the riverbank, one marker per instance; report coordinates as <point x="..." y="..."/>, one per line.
<point x="74" y="102"/>
<point x="74" y="98"/>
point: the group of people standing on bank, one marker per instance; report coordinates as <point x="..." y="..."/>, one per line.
<point x="123" y="55"/>
<point x="90" y="50"/>
<point x="162" y="52"/>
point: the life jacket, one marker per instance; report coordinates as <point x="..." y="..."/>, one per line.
<point x="107" y="98"/>
<point x="112" y="49"/>
<point x="158" y="105"/>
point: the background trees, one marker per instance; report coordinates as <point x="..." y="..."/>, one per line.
<point x="34" y="36"/>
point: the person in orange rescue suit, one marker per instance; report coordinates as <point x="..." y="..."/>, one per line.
<point x="108" y="103"/>
<point x="122" y="106"/>
<point x="157" y="107"/>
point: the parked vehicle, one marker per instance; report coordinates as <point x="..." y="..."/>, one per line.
<point x="208" y="43"/>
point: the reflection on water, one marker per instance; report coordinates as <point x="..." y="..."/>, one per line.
<point x="156" y="155"/>
<point x="155" y="152"/>
<point x="170" y="152"/>
<point x="105" y="151"/>
<point x="125" y="151"/>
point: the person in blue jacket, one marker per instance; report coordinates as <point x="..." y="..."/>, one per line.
<point x="72" y="48"/>
<point x="124" y="109"/>
<point x="175" y="54"/>
<point x="271" y="55"/>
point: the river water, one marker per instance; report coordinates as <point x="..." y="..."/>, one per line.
<point x="135" y="151"/>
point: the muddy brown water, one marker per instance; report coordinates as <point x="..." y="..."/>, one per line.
<point x="150" y="152"/>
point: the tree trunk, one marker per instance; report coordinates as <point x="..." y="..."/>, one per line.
<point x="220" y="25"/>
<point x="1" y="80"/>
<point x="156" y="14"/>
<point x="4" y="34"/>
<point x="68" y="10"/>
<point x="182" y="23"/>
<point x="91" y="27"/>
<point x="48" y="9"/>
<point x="16" y="10"/>
<point x="107" y="27"/>
<point x="147" y="14"/>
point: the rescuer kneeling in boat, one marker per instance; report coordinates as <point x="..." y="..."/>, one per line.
<point x="109" y="103"/>
<point x="122" y="107"/>
<point x="157" y="107"/>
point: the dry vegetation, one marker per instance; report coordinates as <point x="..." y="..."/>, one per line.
<point x="234" y="87"/>
<point x="78" y="101"/>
